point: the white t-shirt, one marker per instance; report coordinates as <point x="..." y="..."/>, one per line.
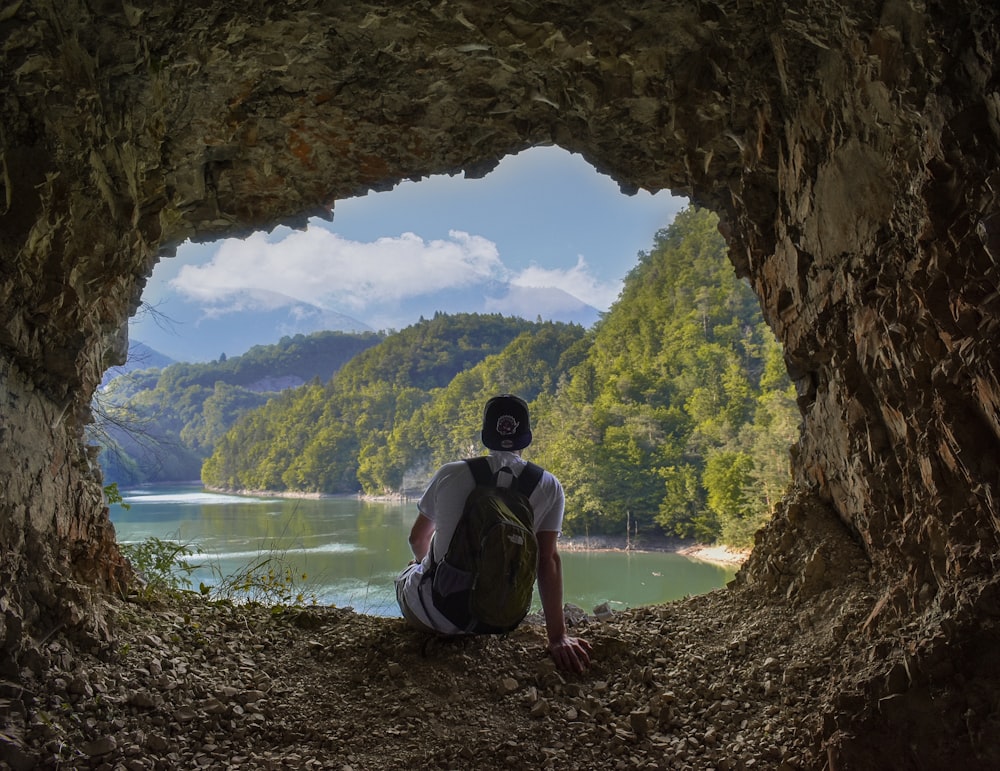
<point x="443" y="502"/>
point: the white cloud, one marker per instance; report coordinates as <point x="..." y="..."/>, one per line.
<point x="577" y="281"/>
<point x="370" y="280"/>
<point x="322" y="268"/>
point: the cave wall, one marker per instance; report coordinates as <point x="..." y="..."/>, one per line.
<point x="881" y="277"/>
<point x="851" y="149"/>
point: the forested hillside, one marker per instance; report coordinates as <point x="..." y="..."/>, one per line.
<point x="335" y="437"/>
<point x="682" y="415"/>
<point x="674" y="414"/>
<point x="447" y="426"/>
<point x="160" y="424"/>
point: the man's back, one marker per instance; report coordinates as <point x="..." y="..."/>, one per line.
<point x="506" y="431"/>
<point x="445" y="497"/>
<point x="484" y="582"/>
<point x="443" y="503"/>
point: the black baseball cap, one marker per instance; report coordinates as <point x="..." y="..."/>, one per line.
<point x="505" y="423"/>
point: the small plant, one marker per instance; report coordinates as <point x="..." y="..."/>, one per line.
<point x="113" y="495"/>
<point x="162" y="564"/>
<point x="267" y="580"/>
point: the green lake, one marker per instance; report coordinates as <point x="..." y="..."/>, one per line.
<point x="350" y="550"/>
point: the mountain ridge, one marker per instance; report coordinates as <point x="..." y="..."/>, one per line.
<point x="185" y="330"/>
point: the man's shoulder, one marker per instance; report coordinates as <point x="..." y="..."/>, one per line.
<point x="459" y="469"/>
<point x="455" y="468"/>
<point x="551" y="481"/>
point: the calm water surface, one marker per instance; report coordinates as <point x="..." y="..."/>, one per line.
<point x="350" y="550"/>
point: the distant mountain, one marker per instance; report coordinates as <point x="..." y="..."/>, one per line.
<point x="195" y="332"/>
<point x="525" y="302"/>
<point x="140" y="356"/>
<point x="159" y="425"/>
<point x="550" y="303"/>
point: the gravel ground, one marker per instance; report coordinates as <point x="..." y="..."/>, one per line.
<point x="722" y="681"/>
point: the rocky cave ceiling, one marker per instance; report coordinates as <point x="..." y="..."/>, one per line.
<point x="850" y="148"/>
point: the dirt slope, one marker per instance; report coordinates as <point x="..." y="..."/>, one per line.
<point x="717" y="681"/>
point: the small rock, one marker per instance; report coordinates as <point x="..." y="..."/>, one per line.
<point x="212" y="706"/>
<point x="574" y="614"/>
<point x="144" y="700"/>
<point x="185" y="714"/>
<point x="639" y="721"/>
<point x="157" y="743"/>
<point x="80" y="686"/>
<point x="101" y="746"/>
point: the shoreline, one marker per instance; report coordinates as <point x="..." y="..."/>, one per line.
<point x="718" y="554"/>
<point x="290" y="494"/>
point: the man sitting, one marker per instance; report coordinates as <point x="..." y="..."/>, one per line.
<point x="506" y="431"/>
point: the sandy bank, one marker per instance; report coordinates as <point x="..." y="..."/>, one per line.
<point x="718" y="554"/>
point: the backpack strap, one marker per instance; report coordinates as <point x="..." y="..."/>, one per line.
<point x="481" y="472"/>
<point x="529" y="479"/>
<point x="524" y="484"/>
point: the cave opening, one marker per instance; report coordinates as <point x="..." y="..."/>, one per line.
<point x="849" y="149"/>
<point x="541" y="210"/>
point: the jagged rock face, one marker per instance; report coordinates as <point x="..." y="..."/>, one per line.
<point x="851" y="149"/>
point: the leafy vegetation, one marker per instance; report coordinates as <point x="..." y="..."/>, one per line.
<point x="681" y="415"/>
<point x="268" y="580"/>
<point x="447" y="425"/>
<point x="159" y="425"/>
<point x="673" y="415"/>
<point x="113" y="496"/>
<point x="325" y="438"/>
<point x="162" y="564"/>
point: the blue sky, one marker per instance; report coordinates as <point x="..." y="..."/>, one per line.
<point x="543" y="218"/>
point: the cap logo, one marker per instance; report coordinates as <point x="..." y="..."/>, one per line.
<point x="507" y="426"/>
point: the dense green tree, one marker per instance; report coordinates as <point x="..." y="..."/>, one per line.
<point x="678" y="411"/>
<point x="446" y="425"/>
<point x="343" y="441"/>
<point x="159" y="425"/>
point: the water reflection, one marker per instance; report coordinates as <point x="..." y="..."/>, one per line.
<point x="350" y="550"/>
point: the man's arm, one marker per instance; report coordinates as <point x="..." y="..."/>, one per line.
<point x="570" y="653"/>
<point x="420" y="537"/>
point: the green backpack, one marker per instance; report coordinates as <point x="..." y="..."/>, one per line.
<point x="484" y="583"/>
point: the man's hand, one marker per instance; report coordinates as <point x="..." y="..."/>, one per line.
<point x="570" y="653"/>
